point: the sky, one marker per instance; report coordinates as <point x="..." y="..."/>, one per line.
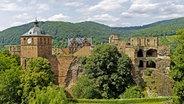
<point x="115" y="13"/>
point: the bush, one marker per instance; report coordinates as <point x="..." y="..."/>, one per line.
<point x="132" y="92"/>
<point x="148" y="72"/>
<point x="85" y="88"/>
<point x="49" y="95"/>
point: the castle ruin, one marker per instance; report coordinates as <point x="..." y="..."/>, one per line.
<point x="145" y="53"/>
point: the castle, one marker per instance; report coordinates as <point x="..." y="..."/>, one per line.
<point x="144" y="53"/>
<point x="66" y="68"/>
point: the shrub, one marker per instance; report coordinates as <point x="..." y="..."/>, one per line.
<point x="85" y="88"/>
<point x="49" y="95"/>
<point x="132" y="92"/>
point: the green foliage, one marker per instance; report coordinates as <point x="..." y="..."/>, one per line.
<point x="85" y="88"/>
<point x="9" y="78"/>
<point x="38" y="74"/>
<point x="162" y="28"/>
<point x="169" y="40"/>
<point x="148" y="72"/>
<point x="83" y="59"/>
<point x="7" y="61"/>
<point x="132" y="92"/>
<point x="49" y="95"/>
<point x="180" y="35"/>
<point x="177" y="71"/>
<point x="110" y="70"/>
<point x="9" y="86"/>
<point x="160" y="100"/>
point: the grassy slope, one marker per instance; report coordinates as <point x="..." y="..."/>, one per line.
<point x="159" y="100"/>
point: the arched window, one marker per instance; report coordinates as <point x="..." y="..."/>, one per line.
<point x="140" y="53"/>
<point x="151" y="53"/>
<point x="150" y="64"/>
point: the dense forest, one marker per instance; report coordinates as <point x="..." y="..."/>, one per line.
<point x="61" y="31"/>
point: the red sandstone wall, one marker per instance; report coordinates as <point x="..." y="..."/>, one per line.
<point x="60" y="66"/>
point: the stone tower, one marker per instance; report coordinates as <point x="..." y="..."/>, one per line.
<point x="35" y="43"/>
<point x="114" y="39"/>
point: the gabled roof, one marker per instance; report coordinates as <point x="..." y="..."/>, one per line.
<point x="84" y="51"/>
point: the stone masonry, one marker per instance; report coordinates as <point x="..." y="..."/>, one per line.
<point x="146" y="54"/>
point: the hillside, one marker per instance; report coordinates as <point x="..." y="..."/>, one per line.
<point x="61" y="31"/>
<point x="161" y="28"/>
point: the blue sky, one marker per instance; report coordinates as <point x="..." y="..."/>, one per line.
<point x="109" y="12"/>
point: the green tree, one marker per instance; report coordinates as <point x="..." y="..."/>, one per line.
<point x="177" y="71"/>
<point x="37" y="74"/>
<point x="110" y="70"/>
<point x="85" y="88"/>
<point x="9" y="78"/>
<point x="9" y="86"/>
<point x="7" y="61"/>
<point x="132" y="92"/>
<point x="49" y="95"/>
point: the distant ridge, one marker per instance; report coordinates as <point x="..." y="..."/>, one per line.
<point x="61" y="31"/>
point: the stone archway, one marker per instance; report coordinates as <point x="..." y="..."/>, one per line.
<point x="151" y="53"/>
<point x="150" y="64"/>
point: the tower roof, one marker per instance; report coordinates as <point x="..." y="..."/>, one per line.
<point x="35" y="31"/>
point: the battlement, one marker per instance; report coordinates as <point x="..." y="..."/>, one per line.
<point x="152" y="41"/>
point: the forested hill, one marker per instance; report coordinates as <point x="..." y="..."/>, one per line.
<point x="61" y="31"/>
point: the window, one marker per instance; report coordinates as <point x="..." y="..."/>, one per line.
<point x="140" y="53"/>
<point x="140" y="63"/>
<point x="151" y="53"/>
<point x="150" y="64"/>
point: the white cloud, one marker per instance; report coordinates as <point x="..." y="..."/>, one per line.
<point x="103" y="18"/>
<point x="147" y="8"/>
<point x="74" y="4"/>
<point x="42" y="7"/>
<point x="23" y="16"/>
<point x="108" y="5"/>
<point x="58" y="17"/>
<point x="131" y="15"/>
<point x="162" y="17"/>
<point x="7" y="5"/>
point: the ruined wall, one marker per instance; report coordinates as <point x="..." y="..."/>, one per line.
<point x="130" y="51"/>
<point x="14" y="49"/>
<point x="161" y="84"/>
<point x="121" y="46"/>
<point x="63" y="67"/>
<point x="74" y="71"/>
<point x="135" y="41"/>
<point x="163" y="61"/>
<point x="114" y="39"/>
